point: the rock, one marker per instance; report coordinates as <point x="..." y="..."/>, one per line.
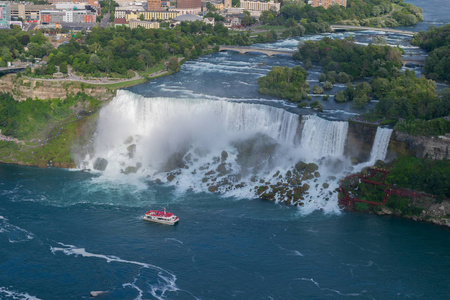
<point x="212" y="189"/>
<point x="325" y="185"/>
<point x="379" y="164"/>
<point x="224" y="156"/>
<point x="100" y="164"/>
<point x="131" y="150"/>
<point x="317" y="174"/>
<point x="129" y="140"/>
<point x="305" y="187"/>
<point x="129" y="169"/>
<point x="222" y="169"/>
<point x="253" y="151"/>
<point x="311" y="167"/>
<point x="385" y="211"/>
<point x="175" y="161"/>
<point x="300" y="166"/>
<point x="170" y="177"/>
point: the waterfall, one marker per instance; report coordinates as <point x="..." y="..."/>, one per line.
<point x="219" y="146"/>
<point x="380" y="144"/>
<point x="324" y="138"/>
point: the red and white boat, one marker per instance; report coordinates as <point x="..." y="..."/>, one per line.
<point x="162" y="217"/>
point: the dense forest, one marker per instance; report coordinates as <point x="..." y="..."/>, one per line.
<point x="285" y="82"/>
<point x="437" y="42"/>
<point x="346" y="56"/>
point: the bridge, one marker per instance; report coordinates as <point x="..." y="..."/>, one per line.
<point x="389" y="30"/>
<point x="244" y="50"/>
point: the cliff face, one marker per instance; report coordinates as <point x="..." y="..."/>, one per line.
<point x="360" y="137"/>
<point x="23" y="88"/>
<point x="419" y="146"/>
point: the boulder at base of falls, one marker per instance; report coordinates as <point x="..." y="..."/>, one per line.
<point x="222" y="169"/>
<point x="300" y="166"/>
<point x="175" y="161"/>
<point x="256" y="150"/>
<point x="131" y="169"/>
<point x="224" y="156"/>
<point x="131" y="150"/>
<point x="100" y="164"/>
<point x="311" y="167"/>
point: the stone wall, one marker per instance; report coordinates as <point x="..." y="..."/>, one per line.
<point x="23" y="88"/>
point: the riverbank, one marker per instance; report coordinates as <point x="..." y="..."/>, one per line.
<point x="400" y="189"/>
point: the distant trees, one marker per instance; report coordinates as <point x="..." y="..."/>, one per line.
<point x="437" y="41"/>
<point x="346" y="58"/>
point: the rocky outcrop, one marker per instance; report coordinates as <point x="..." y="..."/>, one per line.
<point x="23" y="88"/>
<point x="360" y="138"/>
<point x="419" y="146"/>
<point x="432" y="211"/>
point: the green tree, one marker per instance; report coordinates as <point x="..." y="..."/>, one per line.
<point x="173" y="65"/>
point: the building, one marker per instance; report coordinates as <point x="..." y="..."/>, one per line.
<point x="209" y="21"/>
<point x="327" y="3"/>
<point x="121" y="11"/>
<point x="218" y="6"/>
<point x="144" y="24"/>
<point x="227" y="4"/>
<point x="151" y="15"/>
<point x="185" y="7"/>
<point x="27" y="11"/>
<point x="66" y="16"/>
<point x="5" y="16"/>
<point x="120" y="22"/>
<point x="153" y="5"/>
<point x="260" y="5"/>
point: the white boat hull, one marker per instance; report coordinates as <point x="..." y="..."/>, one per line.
<point x="155" y="220"/>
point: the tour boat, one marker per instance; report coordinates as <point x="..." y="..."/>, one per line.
<point x="162" y="217"/>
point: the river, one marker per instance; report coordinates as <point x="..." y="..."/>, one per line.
<point x="64" y="233"/>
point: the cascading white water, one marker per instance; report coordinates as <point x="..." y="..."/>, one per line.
<point x="380" y="144"/>
<point x="220" y="146"/>
<point x="324" y="138"/>
<point x="159" y="127"/>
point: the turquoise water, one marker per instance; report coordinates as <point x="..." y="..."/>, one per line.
<point x="63" y="234"/>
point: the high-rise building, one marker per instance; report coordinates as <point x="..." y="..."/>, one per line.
<point x="5" y="16"/>
<point x="153" y="5"/>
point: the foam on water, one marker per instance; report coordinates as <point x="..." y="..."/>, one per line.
<point x="15" y="234"/>
<point x="163" y="282"/>
<point x="6" y="293"/>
